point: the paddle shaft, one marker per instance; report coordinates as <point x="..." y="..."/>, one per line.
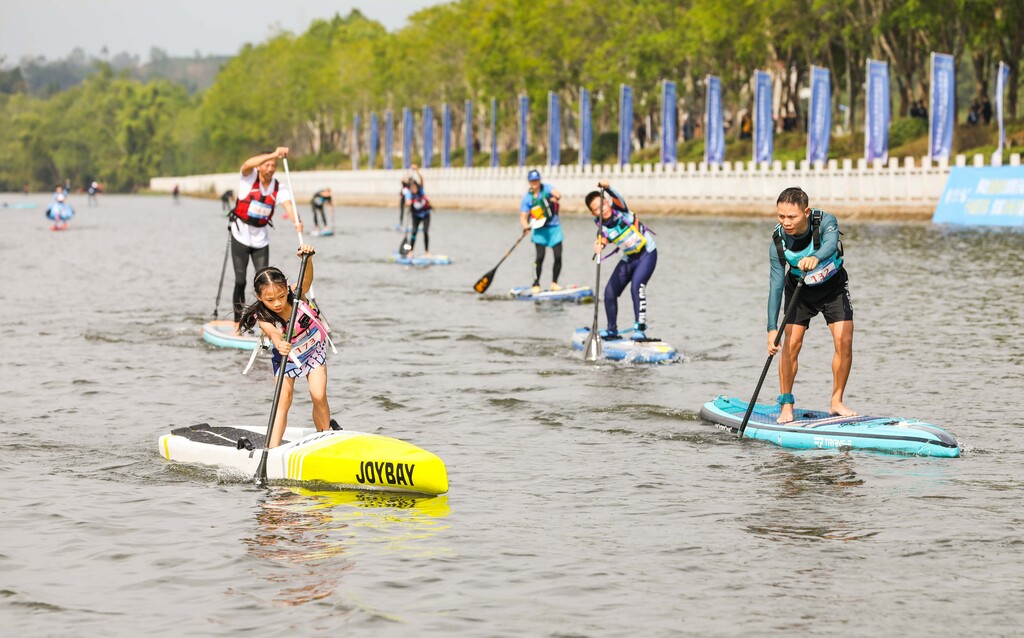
<point x="484" y="282"/>
<point x="778" y="339"/>
<point x="223" y="269"/>
<point x="261" y="469"/>
<point x="295" y="211"/>
<point x="592" y="349"/>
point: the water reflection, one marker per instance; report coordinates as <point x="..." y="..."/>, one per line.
<point x="314" y="536"/>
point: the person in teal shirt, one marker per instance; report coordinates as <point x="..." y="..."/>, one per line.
<point x="539" y="213"/>
<point x="806" y="241"/>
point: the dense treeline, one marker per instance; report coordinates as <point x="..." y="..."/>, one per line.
<point x="304" y="90"/>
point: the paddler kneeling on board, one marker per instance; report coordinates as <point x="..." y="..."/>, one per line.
<point x="618" y="225"/>
<point x="307" y="352"/>
<point x="807" y="241"/>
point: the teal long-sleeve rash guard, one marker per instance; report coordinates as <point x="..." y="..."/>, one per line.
<point x="829" y="232"/>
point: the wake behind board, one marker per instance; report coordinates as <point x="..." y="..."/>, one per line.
<point x="813" y="429"/>
<point x="222" y="334"/>
<point x="433" y="260"/>
<point x="342" y="458"/>
<point x="625" y="349"/>
<point x="572" y="293"/>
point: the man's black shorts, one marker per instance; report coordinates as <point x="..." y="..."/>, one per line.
<point x="831" y="299"/>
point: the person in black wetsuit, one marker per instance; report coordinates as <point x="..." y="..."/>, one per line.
<point x="320" y="199"/>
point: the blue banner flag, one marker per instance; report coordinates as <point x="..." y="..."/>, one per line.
<point x="877" y="113"/>
<point x="764" y="125"/>
<point x="469" y="133"/>
<point x="494" y="132"/>
<point x="374" y="139"/>
<point x="554" y="130"/>
<point x="446" y="136"/>
<point x="1002" y="77"/>
<point x="625" y="123"/>
<point x="389" y="140"/>
<point x="524" y="111"/>
<point x="714" y="136"/>
<point x="819" y="115"/>
<point x="428" y="136"/>
<point x="355" y="142"/>
<point x="586" y="132"/>
<point x="669" y="123"/>
<point x="407" y="136"/>
<point x="942" y="107"/>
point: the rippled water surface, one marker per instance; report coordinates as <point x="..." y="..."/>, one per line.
<point x="586" y="500"/>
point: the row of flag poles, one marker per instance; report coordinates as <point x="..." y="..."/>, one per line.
<point x="941" y="101"/>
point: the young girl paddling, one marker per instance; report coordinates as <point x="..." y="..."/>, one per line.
<point x="306" y="353"/>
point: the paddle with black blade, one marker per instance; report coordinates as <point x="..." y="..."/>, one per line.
<point x="778" y="339"/>
<point x="261" y="469"/>
<point x="223" y="269"/>
<point x="406" y="246"/>
<point x="484" y="282"/>
<point x="592" y="348"/>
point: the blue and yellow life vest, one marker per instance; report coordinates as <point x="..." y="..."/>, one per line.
<point x="630" y="237"/>
<point x="826" y="267"/>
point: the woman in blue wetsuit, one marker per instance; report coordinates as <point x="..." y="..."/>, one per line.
<point x="618" y="225"/>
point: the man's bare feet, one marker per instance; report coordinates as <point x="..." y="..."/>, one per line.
<point x="785" y="413"/>
<point x="839" y="409"/>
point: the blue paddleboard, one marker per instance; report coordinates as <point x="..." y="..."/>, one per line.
<point x="572" y="293"/>
<point x="433" y="260"/>
<point x="813" y="429"/>
<point x="625" y="349"/>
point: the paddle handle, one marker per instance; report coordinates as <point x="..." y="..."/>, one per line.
<point x="261" y="469"/>
<point x="778" y="339"/>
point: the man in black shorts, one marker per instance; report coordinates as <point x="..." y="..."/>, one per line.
<point x="806" y="241"/>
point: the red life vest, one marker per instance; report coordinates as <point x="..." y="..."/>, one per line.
<point x="256" y="209"/>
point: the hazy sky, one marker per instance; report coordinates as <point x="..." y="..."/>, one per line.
<point x="53" y="28"/>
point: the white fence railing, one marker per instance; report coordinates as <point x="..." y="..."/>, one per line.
<point x="912" y="181"/>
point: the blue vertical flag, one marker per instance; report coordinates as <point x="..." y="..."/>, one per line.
<point x="625" y="123"/>
<point x="494" y="132"/>
<point x="554" y="130"/>
<point x="428" y="136"/>
<point x="446" y="136"/>
<point x="764" y="125"/>
<point x="819" y="115"/>
<point x="714" y="136"/>
<point x="406" y="137"/>
<point x="469" y="133"/>
<point x="877" y="113"/>
<point x="1002" y="76"/>
<point x="374" y="138"/>
<point x="586" y="132"/>
<point x="669" y="123"/>
<point x="355" y="143"/>
<point x="524" y="111"/>
<point x="942" y="107"/>
<point x="389" y="140"/>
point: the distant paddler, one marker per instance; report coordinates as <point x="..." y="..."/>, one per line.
<point x="321" y="199"/>
<point x="539" y="212"/>
<point x="620" y="226"/>
<point x="248" y="220"/>
<point x="807" y="241"/>
<point x="60" y="211"/>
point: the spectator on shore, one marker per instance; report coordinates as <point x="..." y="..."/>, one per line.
<point x="974" y="113"/>
<point x="746" y="126"/>
<point x="986" y="110"/>
<point x="917" y="109"/>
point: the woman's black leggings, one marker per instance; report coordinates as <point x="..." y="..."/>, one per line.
<point x="416" y="221"/>
<point x="240" y="254"/>
<point x="319" y="210"/>
<point x="539" y="263"/>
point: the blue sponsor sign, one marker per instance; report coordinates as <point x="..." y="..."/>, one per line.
<point x="428" y="136"/>
<point x="524" y="111"/>
<point x="446" y="136"/>
<point x="625" y="123"/>
<point x="355" y="142"/>
<point x="374" y="138"/>
<point x="1002" y="76"/>
<point x="764" y="125"/>
<point x="586" y="130"/>
<point x="494" y="132"/>
<point x="469" y="133"/>
<point x="877" y="113"/>
<point x="984" y="195"/>
<point x="943" y="107"/>
<point x="669" y="122"/>
<point x="819" y="117"/>
<point x="714" y="138"/>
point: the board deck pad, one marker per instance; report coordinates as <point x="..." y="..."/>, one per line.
<point x="220" y="435"/>
<point x="816" y="429"/>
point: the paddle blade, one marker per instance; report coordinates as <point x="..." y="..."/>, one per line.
<point x="484" y="282"/>
<point x="406" y="246"/>
<point x="592" y="349"/>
